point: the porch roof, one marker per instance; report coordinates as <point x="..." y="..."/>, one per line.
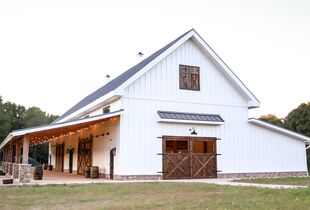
<point x="52" y="130"/>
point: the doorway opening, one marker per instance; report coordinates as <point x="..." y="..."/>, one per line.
<point x="112" y="154"/>
<point x="71" y="160"/>
<point x="59" y="166"/>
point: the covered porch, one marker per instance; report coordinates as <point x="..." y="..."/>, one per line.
<point x="53" y="177"/>
<point x="73" y="145"/>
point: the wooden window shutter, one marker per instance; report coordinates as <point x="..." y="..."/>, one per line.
<point x="184" y="80"/>
<point x="189" y="77"/>
<point x="195" y="78"/>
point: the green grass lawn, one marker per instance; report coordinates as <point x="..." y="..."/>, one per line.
<point x="302" y="181"/>
<point x="151" y="196"/>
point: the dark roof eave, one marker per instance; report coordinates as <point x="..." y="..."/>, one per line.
<point x="118" y="81"/>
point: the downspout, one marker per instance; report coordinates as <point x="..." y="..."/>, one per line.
<point x="307" y="158"/>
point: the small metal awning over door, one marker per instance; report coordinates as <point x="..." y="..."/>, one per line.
<point x="191" y="118"/>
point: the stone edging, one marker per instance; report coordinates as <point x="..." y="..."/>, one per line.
<point x="262" y="174"/>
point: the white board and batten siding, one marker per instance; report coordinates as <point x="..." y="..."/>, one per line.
<point x="276" y="151"/>
<point x="114" y="106"/>
<point x="101" y="146"/>
<point x="244" y="147"/>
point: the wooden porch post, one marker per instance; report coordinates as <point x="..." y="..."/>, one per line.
<point x="18" y="148"/>
<point x="4" y="154"/>
<point x="11" y="154"/>
<point x="25" y="149"/>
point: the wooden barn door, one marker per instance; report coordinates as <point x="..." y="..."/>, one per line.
<point x="203" y="158"/>
<point x="176" y="158"/>
<point x="84" y="155"/>
<point x="59" y="158"/>
<point x="188" y="157"/>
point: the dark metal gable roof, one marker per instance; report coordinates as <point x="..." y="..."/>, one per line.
<point x="190" y="116"/>
<point x="118" y="81"/>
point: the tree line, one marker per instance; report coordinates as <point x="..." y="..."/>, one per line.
<point x="14" y="117"/>
<point x="298" y="120"/>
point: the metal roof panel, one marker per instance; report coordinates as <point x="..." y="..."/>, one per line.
<point x="189" y="116"/>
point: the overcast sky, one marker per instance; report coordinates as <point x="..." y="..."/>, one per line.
<point x="53" y="53"/>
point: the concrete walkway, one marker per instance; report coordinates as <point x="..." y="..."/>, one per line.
<point x="60" y="178"/>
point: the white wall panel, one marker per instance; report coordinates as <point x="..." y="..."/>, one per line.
<point x="101" y="146"/>
<point x="71" y="141"/>
<point x="114" y="106"/>
<point x="162" y="80"/>
<point x="244" y="147"/>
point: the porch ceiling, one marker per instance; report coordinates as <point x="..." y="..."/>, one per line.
<point x="43" y="133"/>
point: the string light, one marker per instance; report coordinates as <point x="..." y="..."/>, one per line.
<point x="36" y="140"/>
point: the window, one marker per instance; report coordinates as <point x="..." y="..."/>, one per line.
<point x="106" y="109"/>
<point x="203" y="146"/>
<point x="189" y="77"/>
<point x="173" y="146"/>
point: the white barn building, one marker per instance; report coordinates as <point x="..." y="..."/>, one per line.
<point x="180" y="113"/>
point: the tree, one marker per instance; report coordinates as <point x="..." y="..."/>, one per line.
<point x="14" y="117"/>
<point x="298" y="120"/>
<point x="5" y="123"/>
<point x="270" y="118"/>
<point x="15" y="114"/>
<point x="34" y="116"/>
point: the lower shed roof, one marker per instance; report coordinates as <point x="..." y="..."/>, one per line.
<point x="52" y="130"/>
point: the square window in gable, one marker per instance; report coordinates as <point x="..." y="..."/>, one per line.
<point x="189" y="77"/>
<point x="106" y="109"/>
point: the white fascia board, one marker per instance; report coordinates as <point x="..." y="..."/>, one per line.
<point x="65" y="124"/>
<point x="120" y="89"/>
<point x="253" y="104"/>
<point x="190" y="122"/>
<point x="253" y="101"/>
<point x="58" y="125"/>
<point x="87" y="107"/>
<point x="280" y="130"/>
